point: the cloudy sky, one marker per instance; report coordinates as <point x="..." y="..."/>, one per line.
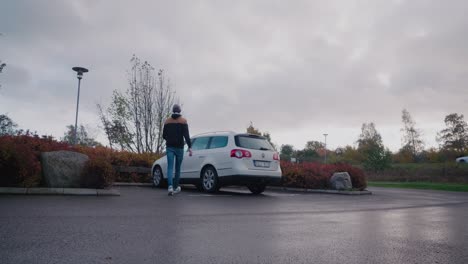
<point x="296" y="69"/>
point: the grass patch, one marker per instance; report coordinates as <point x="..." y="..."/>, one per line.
<point x="454" y="187"/>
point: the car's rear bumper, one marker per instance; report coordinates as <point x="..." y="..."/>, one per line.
<point x="248" y="179"/>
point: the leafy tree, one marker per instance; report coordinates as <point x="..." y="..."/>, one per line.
<point x="432" y="155"/>
<point x="82" y="136"/>
<point x="347" y="154"/>
<point x="411" y="140"/>
<point x="7" y="126"/>
<point x="404" y="155"/>
<point x="455" y="136"/>
<point x="286" y="152"/>
<point x="377" y="159"/>
<point x="310" y="151"/>
<point x="252" y="130"/>
<point x="116" y="123"/>
<point x="134" y="121"/>
<point x="369" y="137"/>
<point x="370" y="145"/>
<point x="315" y="146"/>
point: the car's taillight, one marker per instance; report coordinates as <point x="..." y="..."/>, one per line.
<point x="276" y="156"/>
<point x="240" y="153"/>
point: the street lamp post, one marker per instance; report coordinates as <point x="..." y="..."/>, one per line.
<point x="325" y="135"/>
<point x="79" y="75"/>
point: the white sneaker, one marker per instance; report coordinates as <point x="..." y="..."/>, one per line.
<point x="170" y="191"/>
<point x="177" y="190"/>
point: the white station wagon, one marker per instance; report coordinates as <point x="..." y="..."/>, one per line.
<point x="225" y="158"/>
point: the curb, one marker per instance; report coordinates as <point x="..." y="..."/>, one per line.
<point x="60" y="191"/>
<point x="365" y="192"/>
<point x="289" y="189"/>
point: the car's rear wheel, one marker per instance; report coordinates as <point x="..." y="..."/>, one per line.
<point x="256" y="188"/>
<point x="158" y="180"/>
<point x="209" y="180"/>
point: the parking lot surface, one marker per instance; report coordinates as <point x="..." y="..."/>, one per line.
<point x="144" y="225"/>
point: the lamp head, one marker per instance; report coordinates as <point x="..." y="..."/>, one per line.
<point x="79" y="71"/>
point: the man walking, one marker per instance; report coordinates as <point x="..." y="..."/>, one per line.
<point x="174" y="132"/>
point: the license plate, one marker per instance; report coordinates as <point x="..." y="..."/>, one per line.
<point x="263" y="164"/>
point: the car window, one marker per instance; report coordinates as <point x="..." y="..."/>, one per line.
<point x="200" y="143"/>
<point x="192" y="140"/>
<point x="253" y="142"/>
<point x="218" y="142"/>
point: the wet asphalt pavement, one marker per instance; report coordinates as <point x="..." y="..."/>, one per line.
<point x="144" y="225"/>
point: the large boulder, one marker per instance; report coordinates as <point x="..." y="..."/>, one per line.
<point x="62" y="169"/>
<point x="341" y="181"/>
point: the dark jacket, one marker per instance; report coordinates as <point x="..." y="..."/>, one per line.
<point x="175" y="130"/>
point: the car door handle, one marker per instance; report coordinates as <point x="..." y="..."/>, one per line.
<point x="201" y="157"/>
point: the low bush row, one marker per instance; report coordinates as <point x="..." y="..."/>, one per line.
<point x="317" y="175"/>
<point x="20" y="159"/>
<point x="20" y="164"/>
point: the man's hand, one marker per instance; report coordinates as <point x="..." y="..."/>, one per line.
<point x="190" y="152"/>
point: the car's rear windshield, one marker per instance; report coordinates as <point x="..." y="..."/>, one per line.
<point x="252" y="142"/>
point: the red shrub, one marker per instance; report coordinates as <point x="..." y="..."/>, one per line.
<point x="19" y="163"/>
<point x="97" y="173"/>
<point x="20" y="159"/>
<point x="119" y="158"/>
<point x="134" y="159"/>
<point x="317" y="175"/>
<point x="123" y="158"/>
<point x="358" y="177"/>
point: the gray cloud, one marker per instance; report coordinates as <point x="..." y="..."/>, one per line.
<point x="297" y="70"/>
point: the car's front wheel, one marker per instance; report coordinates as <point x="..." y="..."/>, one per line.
<point x="209" y="180"/>
<point x="256" y="188"/>
<point x="157" y="177"/>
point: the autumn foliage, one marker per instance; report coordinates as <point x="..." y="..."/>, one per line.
<point x="317" y="175"/>
<point x="20" y="159"/>
<point x="20" y="164"/>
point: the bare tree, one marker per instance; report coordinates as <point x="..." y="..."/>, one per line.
<point x="2" y="64"/>
<point x="165" y="99"/>
<point x="411" y="139"/>
<point x="134" y="121"/>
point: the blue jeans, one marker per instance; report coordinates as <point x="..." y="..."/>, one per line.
<point x="178" y="154"/>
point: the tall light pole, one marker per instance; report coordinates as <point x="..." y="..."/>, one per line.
<point x="79" y="75"/>
<point x="325" y="135"/>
